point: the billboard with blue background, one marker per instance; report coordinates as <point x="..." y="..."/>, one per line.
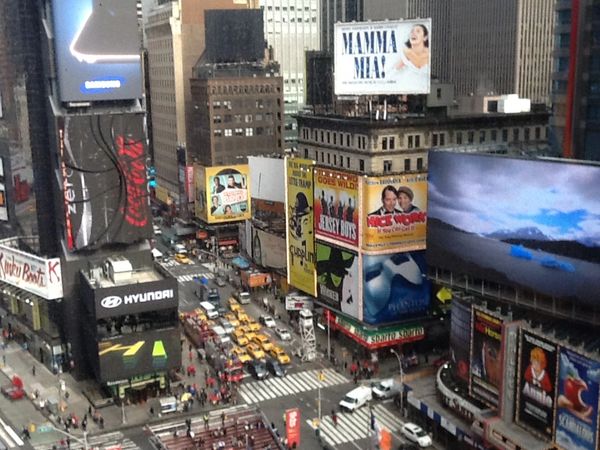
<point x="395" y="287"/>
<point x="577" y="402"/>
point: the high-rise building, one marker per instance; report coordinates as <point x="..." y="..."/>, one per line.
<point x="333" y="11"/>
<point x="291" y="28"/>
<point x="175" y="41"/>
<point x="576" y="80"/>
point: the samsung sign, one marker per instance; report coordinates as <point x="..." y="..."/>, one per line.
<point x="136" y="298"/>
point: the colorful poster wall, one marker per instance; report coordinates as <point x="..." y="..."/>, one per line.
<point x="486" y="357"/>
<point x="537" y="383"/>
<point x="395" y="287"/>
<point x="394" y="211"/>
<point x="336" y="200"/>
<point x="577" y="401"/>
<point x="337" y="279"/>
<point x="299" y="215"/>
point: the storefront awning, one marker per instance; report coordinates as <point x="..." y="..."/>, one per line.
<point x="240" y="262"/>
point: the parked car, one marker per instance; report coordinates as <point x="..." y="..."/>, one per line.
<point x="275" y="368"/>
<point x="258" y="369"/>
<point x="387" y="388"/>
<point x="416" y="434"/>
<point x="267" y="321"/>
<point x="226" y="325"/>
<point x="220" y="282"/>
<point x="283" y="334"/>
<point x="13" y="392"/>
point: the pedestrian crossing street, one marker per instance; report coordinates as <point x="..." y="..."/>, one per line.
<point x="108" y="441"/>
<point x="352" y="427"/>
<point x="260" y="391"/>
<point x="190" y="277"/>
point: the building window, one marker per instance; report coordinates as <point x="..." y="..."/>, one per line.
<point x="387" y="166"/>
<point x="328" y="158"/>
<point x="328" y="137"/>
<point x="217" y="119"/>
<point x="384" y="143"/>
<point x="239" y="131"/>
<point x="438" y="93"/>
<point x="316" y="155"/>
<point x="334" y="138"/>
<point x="537" y="133"/>
<point x="259" y="118"/>
<point x="417" y="141"/>
<point x="348" y="140"/>
<point x="249" y="132"/>
<point x="504" y="135"/>
<point x="471" y="137"/>
<point x="361" y="165"/>
<point x="322" y="156"/>
<point x="527" y="134"/>
<point x="227" y="118"/>
<point x="434" y="140"/>
<point x="216" y="104"/>
<point x="482" y="136"/>
<point x="348" y="162"/>
<point x="306" y="153"/>
<point x="494" y="135"/>
<point x="515" y="134"/>
<point x="392" y="142"/>
<point x="218" y="133"/>
<point x="322" y="136"/>
<point x="419" y="163"/>
<point x="407" y="165"/>
<point x="410" y="142"/>
<point x="228" y="132"/>
<point x="237" y="118"/>
<point x="459" y="138"/>
<point x="442" y="139"/>
<point x="335" y="160"/>
<point x="260" y="131"/>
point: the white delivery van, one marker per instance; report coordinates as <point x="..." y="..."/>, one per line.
<point x="168" y="405"/>
<point x="210" y="310"/>
<point x="221" y="334"/>
<point x="356" y="398"/>
<point x="243" y="297"/>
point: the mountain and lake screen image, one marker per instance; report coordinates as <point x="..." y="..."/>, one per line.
<point x="534" y="224"/>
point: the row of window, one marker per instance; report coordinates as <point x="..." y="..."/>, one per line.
<point x="341" y="161"/>
<point x="244" y="118"/>
<point x="230" y="132"/>
<point x="292" y="8"/>
<point x="293" y="20"/>
<point x="245" y="89"/>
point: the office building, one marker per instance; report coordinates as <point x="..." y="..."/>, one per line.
<point x="576" y="87"/>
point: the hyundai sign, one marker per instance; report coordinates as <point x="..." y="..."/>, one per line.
<point x="136" y="298"/>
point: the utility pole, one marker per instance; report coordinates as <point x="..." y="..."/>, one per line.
<point x="401" y="380"/>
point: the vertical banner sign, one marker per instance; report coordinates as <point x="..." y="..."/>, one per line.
<point x="395" y="216"/>
<point x="337" y="279"/>
<point x="299" y="211"/>
<point x="537" y="383"/>
<point x="577" y="401"/>
<point x="486" y="357"/>
<point x="336" y="214"/>
<point x="292" y="427"/>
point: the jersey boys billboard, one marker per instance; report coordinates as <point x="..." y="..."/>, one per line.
<point x="395" y="214"/>
<point x="97" y="45"/>
<point x="336" y="200"/>
<point x="391" y="57"/>
<point x="299" y="215"/>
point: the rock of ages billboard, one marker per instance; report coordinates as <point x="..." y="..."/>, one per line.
<point x="394" y="213"/>
<point x="336" y="214"/>
<point x="299" y="216"/>
<point x="337" y="279"/>
<point x="103" y="162"/>
<point x="537" y="383"/>
<point x="577" y="401"/>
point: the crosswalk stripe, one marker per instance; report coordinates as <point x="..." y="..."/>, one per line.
<point x="245" y="396"/>
<point x="336" y="376"/>
<point x="282" y="386"/>
<point x="393" y="423"/>
<point x="293" y="381"/>
<point x="273" y="387"/>
<point x="309" y="380"/>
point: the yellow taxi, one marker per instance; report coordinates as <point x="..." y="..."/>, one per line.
<point x="232" y="319"/>
<point x="242" y="316"/>
<point x="234" y="305"/>
<point x="253" y="326"/>
<point x="241" y="354"/>
<point x="240" y="337"/>
<point x="263" y="341"/>
<point x="279" y="354"/>
<point x="183" y="259"/>
<point x="255" y="351"/>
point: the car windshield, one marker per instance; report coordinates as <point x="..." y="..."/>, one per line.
<point x="420" y="433"/>
<point x="348" y="399"/>
<point x="382" y="387"/>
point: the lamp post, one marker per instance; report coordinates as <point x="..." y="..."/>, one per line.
<point x="328" y="336"/>
<point x="395" y="353"/>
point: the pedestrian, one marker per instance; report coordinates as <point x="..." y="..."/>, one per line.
<point x="223" y="419"/>
<point x="189" y="347"/>
<point x="334" y="418"/>
<point x="4" y="360"/>
<point x="33" y="370"/>
<point x="152" y="411"/>
<point x="90" y="410"/>
<point x="206" y="421"/>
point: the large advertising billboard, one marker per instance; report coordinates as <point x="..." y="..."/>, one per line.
<point x="228" y="192"/>
<point x="577" y="401"/>
<point x="394" y="211"/>
<point x="135" y="298"/>
<point x="336" y="200"/>
<point x="486" y="357"/>
<point x="536" y="388"/>
<point x="460" y="338"/>
<point x="337" y="279"/>
<point x="299" y="215"/>
<point x="268" y="250"/>
<point x="387" y="58"/>
<point x="395" y="287"/>
<point x="103" y="162"/>
<point x="490" y="218"/>
<point x="136" y="354"/>
<point x="97" y="46"/>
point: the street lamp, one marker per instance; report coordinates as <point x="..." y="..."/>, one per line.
<point x="395" y="353"/>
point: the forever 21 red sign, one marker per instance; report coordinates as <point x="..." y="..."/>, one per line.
<point x="131" y="158"/>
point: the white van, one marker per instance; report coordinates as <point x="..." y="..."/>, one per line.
<point x="221" y="334"/>
<point x="210" y="310"/>
<point x="243" y="297"/>
<point x="387" y="388"/>
<point x="356" y="398"/>
<point x="168" y="405"/>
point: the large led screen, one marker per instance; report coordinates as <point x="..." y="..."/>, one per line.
<point x="460" y="338"/>
<point x="577" y="401"/>
<point x="532" y="224"/>
<point x="97" y="45"/>
<point x="395" y="287"/>
<point x="139" y="353"/>
<point x="337" y="279"/>
<point x="105" y="189"/>
<point x="391" y="57"/>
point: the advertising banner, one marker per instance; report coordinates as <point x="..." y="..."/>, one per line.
<point x="136" y="298"/>
<point x="336" y="214"/>
<point x="486" y="357"/>
<point x="104" y="164"/>
<point x="395" y="214"/>
<point x="268" y="250"/>
<point x="200" y="205"/>
<point x="337" y="279"/>
<point x="383" y="58"/>
<point x="395" y="287"/>
<point x="522" y="238"/>
<point x="299" y="214"/>
<point x="31" y="273"/>
<point x="577" y="401"/>
<point x="141" y="353"/>
<point x="189" y="183"/>
<point x="298" y="302"/>
<point x="97" y="45"/>
<point x="537" y="383"/>
<point x="227" y="187"/>
<point x="292" y="427"/>
<point x="460" y="338"/>
<point x="3" y="206"/>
